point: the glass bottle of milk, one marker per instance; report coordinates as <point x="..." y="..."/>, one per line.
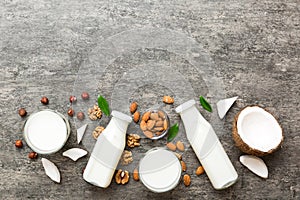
<point x="107" y="151"/>
<point x="207" y="147"/>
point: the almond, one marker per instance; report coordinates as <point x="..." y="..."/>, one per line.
<point x="179" y="156"/>
<point x="171" y="146"/>
<point x="149" y="134"/>
<point x="158" y="129"/>
<point x="146" y="116"/>
<point x="154" y="116"/>
<point x="180" y="146"/>
<point x="165" y="124"/>
<point x="158" y="133"/>
<point x="199" y="170"/>
<point x="187" y="180"/>
<point x="133" y="107"/>
<point x="183" y="166"/>
<point x="161" y="114"/>
<point x="168" y="100"/>
<point x="136" y="116"/>
<point x="150" y="124"/>
<point x="159" y="123"/>
<point x="135" y="174"/>
<point x="143" y="125"/>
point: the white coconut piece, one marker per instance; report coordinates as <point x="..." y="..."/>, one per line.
<point x="224" y="105"/>
<point x="255" y="164"/>
<point x="80" y="133"/>
<point x="74" y="153"/>
<point x="51" y="170"/>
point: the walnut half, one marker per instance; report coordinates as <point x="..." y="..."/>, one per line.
<point x="126" y="157"/>
<point x="122" y="177"/>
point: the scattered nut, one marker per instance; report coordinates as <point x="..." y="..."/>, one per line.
<point x="126" y="158"/>
<point x="133" y="140"/>
<point x="95" y="113"/>
<point x="32" y="155"/>
<point x="179" y="156"/>
<point x="98" y="130"/>
<point x="85" y="95"/>
<point x="168" y="100"/>
<point x="187" y="180"/>
<point x="146" y="116"/>
<point x="19" y="143"/>
<point x="71" y="112"/>
<point x="72" y="99"/>
<point x="171" y="146"/>
<point x="199" y="170"/>
<point x="80" y="115"/>
<point x="122" y="177"/>
<point x="44" y="100"/>
<point x="136" y="174"/>
<point x="133" y="107"/>
<point x="136" y="116"/>
<point x="22" y="112"/>
<point x="180" y="146"/>
<point x="183" y="166"/>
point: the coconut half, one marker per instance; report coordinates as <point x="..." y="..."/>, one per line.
<point x="256" y="131"/>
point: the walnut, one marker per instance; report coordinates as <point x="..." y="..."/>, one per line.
<point x="122" y="177"/>
<point x="133" y="140"/>
<point x="95" y="113"/>
<point x="126" y="158"/>
<point x="98" y="130"/>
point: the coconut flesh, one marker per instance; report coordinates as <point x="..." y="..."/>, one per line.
<point x="256" y="131"/>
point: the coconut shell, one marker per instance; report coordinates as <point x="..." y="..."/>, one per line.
<point x="245" y="147"/>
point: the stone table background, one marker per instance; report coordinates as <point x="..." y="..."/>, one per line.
<point x="255" y="49"/>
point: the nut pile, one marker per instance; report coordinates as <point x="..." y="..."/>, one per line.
<point x="154" y="123"/>
<point x="133" y="140"/>
<point x="95" y="113"/>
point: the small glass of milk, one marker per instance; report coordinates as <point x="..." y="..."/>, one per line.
<point x="46" y="131"/>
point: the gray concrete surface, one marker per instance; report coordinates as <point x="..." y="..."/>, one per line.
<point x="254" y="47"/>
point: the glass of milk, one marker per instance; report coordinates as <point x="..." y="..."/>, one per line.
<point x="46" y="131"/>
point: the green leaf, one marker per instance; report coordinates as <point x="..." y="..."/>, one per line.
<point x="205" y="104"/>
<point x="103" y="105"/>
<point x="173" y="132"/>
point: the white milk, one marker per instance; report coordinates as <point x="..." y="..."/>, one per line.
<point x="107" y="151"/>
<point x="160" y="170"/>
<point x="46" y="131"/>
<point x="207" y="147"/>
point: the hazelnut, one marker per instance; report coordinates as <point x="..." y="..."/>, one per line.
<point x="19" y="143"/>
<point x="72" y="99"/>
<point x="71" y="112"/>
<point x="85" y="96"/>
<point x="32" y="155"/>
<point x="80" y="115"/>
<point x="22" y="112"/>
<point x="44" y="100"/>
